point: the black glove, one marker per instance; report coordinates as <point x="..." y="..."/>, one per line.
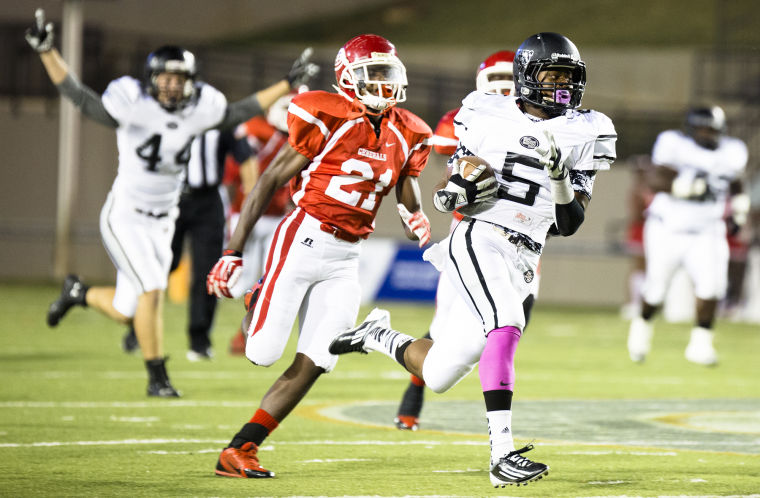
<point x="40" y="35"/>
<point x="302" y="70"/>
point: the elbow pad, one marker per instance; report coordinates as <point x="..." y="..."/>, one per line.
<point x="569" y="217"/>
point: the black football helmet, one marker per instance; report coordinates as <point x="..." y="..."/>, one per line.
<point x="171" y="59"/>
<point x="546" y="51"/>
<point x="706" y="124"/>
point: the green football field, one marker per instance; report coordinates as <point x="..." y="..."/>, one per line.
<point x="75" y="421"/>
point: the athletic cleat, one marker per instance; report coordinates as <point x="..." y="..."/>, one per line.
<point x="406" y="422"/>
<point x="72" y="293"/>
<point x="237" y="344"/>
<point x="700" y="349"/>
<point x="129" y="342"/>
<point x="196" y="356"/>
<point x="639" y="339"/>
<point x="514" y="469"/>
<point x="352" y="341"/>
<point x="241" y="462"/>
<point x="163" y="389"/>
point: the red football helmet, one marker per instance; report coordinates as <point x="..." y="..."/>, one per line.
<point x="367" y="68"/>
<point x="495" y="73"/>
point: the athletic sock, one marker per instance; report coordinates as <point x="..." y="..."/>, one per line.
<point x="499" y="415"/>
<point x="391" y="343"/>
<point x="256" y="430"/>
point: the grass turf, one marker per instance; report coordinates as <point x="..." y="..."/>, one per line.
<point x="75" y="421"/>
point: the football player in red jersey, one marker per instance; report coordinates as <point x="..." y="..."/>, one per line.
<point x="494" y="75"/>
<point x="345" y="151"/>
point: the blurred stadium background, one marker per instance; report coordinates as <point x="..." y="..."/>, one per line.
<point x="648" y="61"/>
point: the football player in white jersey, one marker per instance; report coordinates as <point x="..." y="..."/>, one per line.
<point x="155" y="121"/>
<point x="697" y="172"/>
<point x="544" y="154"/>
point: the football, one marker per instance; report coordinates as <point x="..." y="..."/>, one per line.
<point x="469" y="163"/>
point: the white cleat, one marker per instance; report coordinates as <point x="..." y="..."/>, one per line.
<point x="639" y="339"/>
<point x="700" y="349"/>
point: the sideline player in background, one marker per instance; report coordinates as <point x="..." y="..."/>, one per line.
<point x="155" y="121"/>
<point x="697" y="172"/>
<point x="494" y="75"/>
<point x="545" y="155"/>
<point x="345" y="152"/>
<point x="201" y="221"/>
<point x="271" y="134"/>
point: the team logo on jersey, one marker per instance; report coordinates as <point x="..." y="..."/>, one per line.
<point x="528" y="276"/>
<point x="172" y="125"/>
<point x="372" y="155"/>
<point x="522" y="218"/>
<point x="529" y="142"/>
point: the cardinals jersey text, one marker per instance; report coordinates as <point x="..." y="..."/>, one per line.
<point x="494" y="128"/>
<point x="351" y="166"/>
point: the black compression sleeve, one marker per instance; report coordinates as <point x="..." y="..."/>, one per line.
<point x="240" y="111"/>
<point x="569" y="217"/>
<point x="87" y="100"/>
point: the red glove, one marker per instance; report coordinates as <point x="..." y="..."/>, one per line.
<point x="225" y="273"/>
<point x="417" y="222"/>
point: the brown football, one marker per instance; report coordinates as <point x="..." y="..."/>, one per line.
<point x="471" y="162"/>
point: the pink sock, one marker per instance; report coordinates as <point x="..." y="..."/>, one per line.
<point x="497" y="361"/>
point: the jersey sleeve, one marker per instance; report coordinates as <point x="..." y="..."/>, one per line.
<point x="444" y="139"/>
<point x="665" y="149"/>
<point x="308" y="125"/>
<point x="211" y="106"/>
<point x="737" y="156"/>
<point x="605" y="152"/>
<point x="120" y="98"/>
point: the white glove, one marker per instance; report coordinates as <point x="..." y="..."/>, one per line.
<point x="40" y="35"/>
<point x="685" y="187"/>
<point x="554" y="164"/>
<point x="417" y="222"/>
<point x="460" y="191"/>
<point x="551" y="157"/>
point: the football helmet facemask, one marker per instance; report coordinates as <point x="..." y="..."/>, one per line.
<point x="495" y="74"/>
<point x="547" y="52"/>
<point x="367" y="68"/>
<point x="176" y="60"/>
<point x="706" y="125"/>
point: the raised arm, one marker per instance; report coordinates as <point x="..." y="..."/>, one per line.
<point x="300" y="73"/>
<point x="40" y="37"/>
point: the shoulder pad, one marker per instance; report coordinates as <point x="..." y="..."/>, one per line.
<point x="412" y="122"/>
<point x="318" y="102"/>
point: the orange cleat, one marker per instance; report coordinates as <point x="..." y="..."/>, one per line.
<point x="237" y="344"/>
<point x="241" y="462"/>
<point x="406" y="422"/>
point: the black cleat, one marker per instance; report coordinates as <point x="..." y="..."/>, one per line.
<point x="158" y="383"/>
<point x="163" y="390"/>
<point x="72" y="293"/>
<point x="352" y="340"/>
<point x="515" y="469"/>
<point x="129" y="342"/>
